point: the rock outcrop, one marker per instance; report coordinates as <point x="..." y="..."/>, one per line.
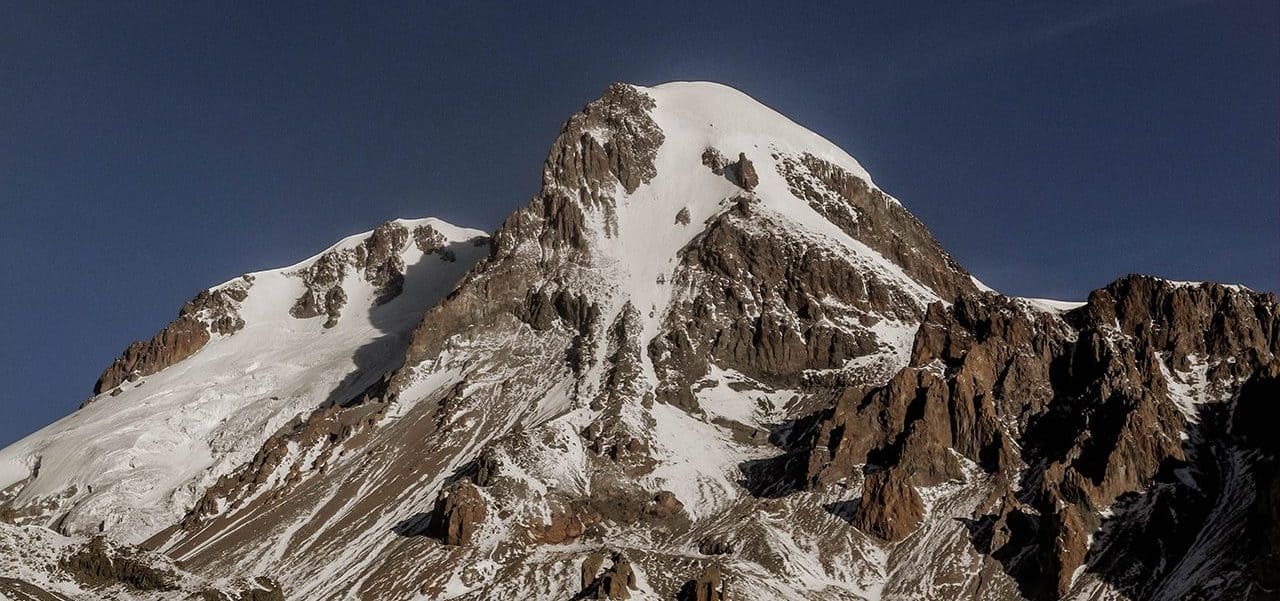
<point x="459" y="512"/>
<point x="377" y="258"/>
<point x="606" y="149"/>
<point x="741" y="172"/>
<point x="875" y="219"/>
<point x="664" y="505"/>
<point x="563" y="526"/>
<point x="890" y="508"/>
<point x="715" y="161"/>
<point x="583" y="170"/>
<point x="746" y="173"/>
<point x="769" y="308"/>
<point x="710" y="585"/>
<point x="212" y="312"/>
<point x="99" y="564"/>
<point x="715" y="545"/>
<point x="616" y="582"/>
<point x="591" y="568"/>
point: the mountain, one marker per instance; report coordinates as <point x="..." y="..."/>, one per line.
<point x="243" y="358"/>
<point x="709" y="360"/>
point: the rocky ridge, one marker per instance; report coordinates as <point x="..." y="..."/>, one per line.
<point x="213" y="312"/>
<point x="1074" y="415"/>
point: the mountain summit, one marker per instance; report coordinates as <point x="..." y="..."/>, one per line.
<point x="709" y="360"/>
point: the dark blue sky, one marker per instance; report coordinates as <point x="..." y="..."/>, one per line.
<point x="149" y="151"/>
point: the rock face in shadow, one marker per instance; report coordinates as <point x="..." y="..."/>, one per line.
<point x="1256" y="411"/>
<point x="1082" y="412"/>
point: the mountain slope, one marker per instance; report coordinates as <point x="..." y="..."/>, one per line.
<point x="175" y="413"/>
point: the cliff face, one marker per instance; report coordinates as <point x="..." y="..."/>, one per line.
<point x="1094" y="423"/>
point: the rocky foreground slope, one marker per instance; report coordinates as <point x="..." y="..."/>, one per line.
<point x="710" y="360"/>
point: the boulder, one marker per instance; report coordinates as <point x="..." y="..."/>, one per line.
<point x="747" y="176"/>
<point x="664" y="505"/>
<point x="459" y="511"/>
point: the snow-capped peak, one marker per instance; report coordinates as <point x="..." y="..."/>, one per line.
<point x="719" y="116"/>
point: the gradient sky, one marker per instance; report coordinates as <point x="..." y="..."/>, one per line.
<point x="150" y="151"/>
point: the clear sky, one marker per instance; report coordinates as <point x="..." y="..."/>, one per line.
<point x="150" y="151"/>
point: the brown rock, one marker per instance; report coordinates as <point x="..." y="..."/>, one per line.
<point x="320" y="279"/>
<point x="664" y="505"/>
<point x="591" y="568"/>
<point x="427" y="239"/>
<point x="377" y="258"/>
<point x="177" y="341"/>
<point x="746" y="172"/>
<point x="753" y="307"/>
<point x="616" y="582"/>
<point x="579" y="162"/>
<point x="1068" y="545"/>
<point x="213" y="311"/>
<point x="709" y="586"/>
<point x="912" y="407"/>
<point x="459" y="512"/>
<point x="715" y="545"/>
<point x="714" y="161"/>
<point x="564" y="526"/>
<point x="890" y="508"/>
<point x="876" y="220"/>
<point x="1082" y="395"/>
